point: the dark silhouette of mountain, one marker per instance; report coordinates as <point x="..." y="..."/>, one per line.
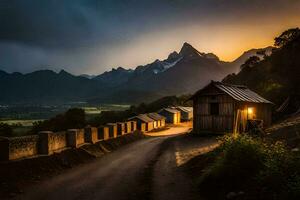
<point x="88" y="76"/>
<point x="180" y="73"/>
<point x="44" y="86"/>
<point x="247" y="54"/>
<point x="115" y="77"/>
<point x="277" y="76"/>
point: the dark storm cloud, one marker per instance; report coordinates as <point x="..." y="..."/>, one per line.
<point x="53" y="29"/>
<point x="64" y="23"/>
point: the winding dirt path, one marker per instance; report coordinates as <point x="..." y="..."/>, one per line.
<point x="146" y="169"/>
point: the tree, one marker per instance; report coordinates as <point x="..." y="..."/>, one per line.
<point x="253" y="60"/>
<point x="73" y="118"/>
<point x="286" y="37"/>
<point x="5" y="130"/>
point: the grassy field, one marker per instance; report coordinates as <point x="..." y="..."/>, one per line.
<point x="22" y="118"/>
<point x="23" y="122"/>
<point x="106" y="107"/>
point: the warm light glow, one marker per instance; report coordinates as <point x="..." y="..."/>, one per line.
<point x="250" y="110"/>
<point x="250" y="113"/>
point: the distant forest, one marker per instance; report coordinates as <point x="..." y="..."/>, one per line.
<point x="76" y="118"/>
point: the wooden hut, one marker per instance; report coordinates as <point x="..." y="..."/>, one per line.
<point x="128" y="127"/>
<point x="133" y="126"/>
<point x="172" y="115"/>
<point x="143" y="119"/>
<point x="186" y="113"/>
<point x="221" y="108"/>
<point x="160" y="120"/>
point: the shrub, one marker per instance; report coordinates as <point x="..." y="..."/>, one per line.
<point x="5" y="130"/>
<point x="244" y="163"/>
<point x="239" y="159"/>
<point x="73" y="118"/>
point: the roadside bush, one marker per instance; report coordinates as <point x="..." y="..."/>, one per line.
<point x="280" y="176"/>
<point x="239" y="159"/>
<point x="5" y="130"/>
<point x="73" y="118"/>
<point x="260" y="169"/>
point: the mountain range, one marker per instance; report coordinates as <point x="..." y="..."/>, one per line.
<point x="181" y="72"/>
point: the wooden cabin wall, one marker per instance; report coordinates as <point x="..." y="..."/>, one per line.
<point x="169" y="116"/>
<point x="205" y="122"/>
<point x="262" y="111"/>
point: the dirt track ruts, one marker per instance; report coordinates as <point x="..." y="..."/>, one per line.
<point x="145" y="169"/>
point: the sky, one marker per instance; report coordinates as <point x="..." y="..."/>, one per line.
<point x="93" y="36"/>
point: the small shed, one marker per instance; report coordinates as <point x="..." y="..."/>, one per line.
<point x="221" y="108"/>
<point x="133" y="126"/>
<point x="143" y="119"/>
<point x="186" y="113"/>
<point x="160" y="120"/>
<point x="128" y="127"/>
<point x="172" y="115"/>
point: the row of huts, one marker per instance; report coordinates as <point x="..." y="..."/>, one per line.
<point x="170" y="115"/>
<point x="150" y="121"/>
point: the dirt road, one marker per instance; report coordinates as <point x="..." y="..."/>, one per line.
<point x="146" y="169"/>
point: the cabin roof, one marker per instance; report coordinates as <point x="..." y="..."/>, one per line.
<point x="111" y="124"/>
<point x="142" y="117"/>
<point x="170" y="110"/>
<point x="185" y="109"/>
<point x="237" y="92"/>
<point x="156" y="116"/>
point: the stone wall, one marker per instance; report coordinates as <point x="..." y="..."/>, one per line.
<point x="75" y="137"/>
<point x="47" y="142"/>
<point x="18" y="147"/>
<point x="103" y="133"/>
<point x="50" y="142"/>
<point x="91" y="134"/>
<point x="112" y="130"/>
<point x="120" y="128"/>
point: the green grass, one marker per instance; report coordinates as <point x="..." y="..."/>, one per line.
<point x="25" y="122"/>
<point x="21" y="130"/>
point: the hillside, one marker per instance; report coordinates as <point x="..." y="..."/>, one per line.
<point x="247" y="54"/>
<point x="44" y="86"/>
<point x="277" y="76"/>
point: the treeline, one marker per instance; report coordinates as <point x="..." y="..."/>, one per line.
<point x="114" y="116"/>
<point x="275" y="76"/>
<point x="73" y="118"/>
<point x="76" y="117"/>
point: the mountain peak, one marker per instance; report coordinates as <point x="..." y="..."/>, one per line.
<point x="173" y="55"/>
<point x="64" y="73"/>
<point x="118" y="69"/>
<point x="188" y="50"/>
